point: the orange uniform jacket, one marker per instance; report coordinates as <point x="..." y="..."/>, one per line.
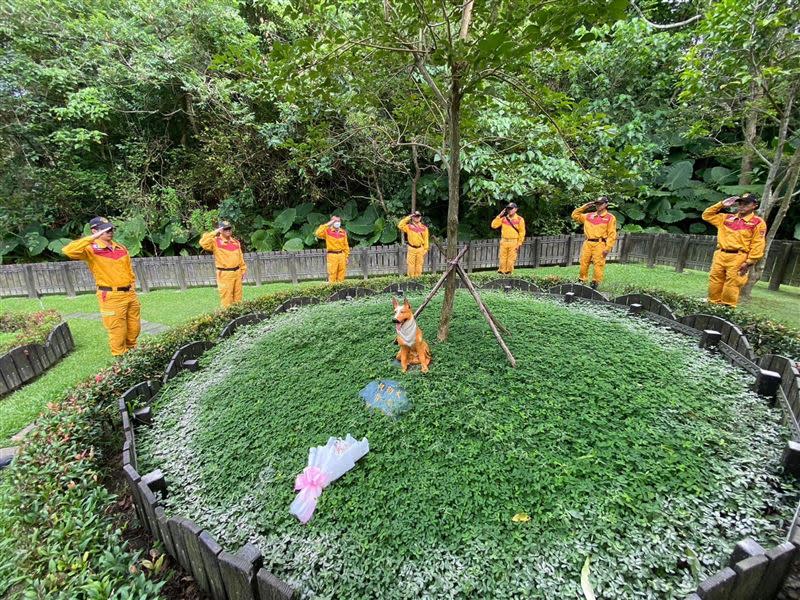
<point x="227" y="253"/>
<point x="110" y="264"/>
<point x="417" y="234"/>
<point x="335" y="239"/>
<point x="748" y="234"/>
<point x="507" y="228"/>
<point x="597" y="226"/>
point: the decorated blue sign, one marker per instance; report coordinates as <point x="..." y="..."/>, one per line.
<point x="387" y="396"/>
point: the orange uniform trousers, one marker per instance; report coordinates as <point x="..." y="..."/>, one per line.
<point x="724" y="281"/>
<point x="508" y="255"/>
<point x="415" y="260"/>
<point x="121" y="318"/>
<point x="229" y="286"/>
<point x="337" y="266"/>
<point x="592" y="253"/>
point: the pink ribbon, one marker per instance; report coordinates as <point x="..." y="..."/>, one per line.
<point x="310" y="484"/>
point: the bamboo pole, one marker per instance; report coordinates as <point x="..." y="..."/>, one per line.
<point x="439" y="283"/>
<point x="487" y="315"/>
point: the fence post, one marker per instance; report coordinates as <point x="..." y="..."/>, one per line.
<point x="293" y="267"/>
<point x="257" y="270"/>
<point x="683" y="253"/>
<point x="470" y="249"/>
<point x="400" y="259"/>
<point x="568" y="258"/>
<point x="68" y="286"/>
<point x="537" y="249"/>
<point x="30" y="282"/>
<point x="180" y="273"/>
<point x="655" y="242"/>
<point x="138" y="270"/>
<point x="779" y="268"/>
<point x="365" y="262"/>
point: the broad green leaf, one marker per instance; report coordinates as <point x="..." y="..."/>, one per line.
<point x="633" y="212"/>
<point x="262" y="240"/>
<point x="302" y="210"/>
<point x="316" y="219"/>
<point x="679" y="174"/>
<point x="389" y="234"/>
<point x="35" y="243"/>
<point x="294" y="245"/>
<point x="698" y="228"/>
<point x="348" y="211"/>
<point x="738" y="190"/>
<point x="57" y="245"/>
<point x="7" y="245"/>
<point x="721" y="175"/>
<point x="284" y="221"/>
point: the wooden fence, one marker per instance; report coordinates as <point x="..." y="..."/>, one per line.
<point x="679" y="251"/>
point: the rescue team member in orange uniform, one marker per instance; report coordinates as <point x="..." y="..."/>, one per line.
<point x="338" y="249"/>
<point x="111" y="267"/>
<point x="512" y="234"/>
<point x="741" y="239"/>
<point x="600" y="229"/>
<point x="417" y="235"/>
<point x="229" y="260"/>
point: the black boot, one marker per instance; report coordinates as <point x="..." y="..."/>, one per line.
<point x="594" y="285"/>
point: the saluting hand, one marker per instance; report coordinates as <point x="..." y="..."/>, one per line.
<point x="729" y="201"/>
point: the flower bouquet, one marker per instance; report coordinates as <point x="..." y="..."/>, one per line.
<point x="325" y="464"/>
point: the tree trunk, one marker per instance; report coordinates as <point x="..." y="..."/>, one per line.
<point x="453" y="184"/>
<point x="792" y="177"/>
<point x="750" y="134"/>
<point x="417" y="175"/>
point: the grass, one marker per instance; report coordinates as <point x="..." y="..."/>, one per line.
<point x="172" y="307"/>
<point x="619" y="441"/>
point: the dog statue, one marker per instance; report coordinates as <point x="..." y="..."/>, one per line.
<point x="413" y="349"/>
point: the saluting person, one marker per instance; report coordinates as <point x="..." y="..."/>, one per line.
<point x="512" y="235"/>
<point x="417" y="236"/>
<point x="338" y="250"/>
<point x="111" y="267"/>
<point x="228" y="260"/>
<point x="600" y="229"/>
<point x="741" y="240"/>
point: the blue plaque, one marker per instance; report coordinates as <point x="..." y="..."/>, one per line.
<point x="387" y="396"/>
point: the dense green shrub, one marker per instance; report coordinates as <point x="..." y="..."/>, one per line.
<point x="22" y="328"/>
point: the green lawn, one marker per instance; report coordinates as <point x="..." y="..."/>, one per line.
<point x="172" y="307"/>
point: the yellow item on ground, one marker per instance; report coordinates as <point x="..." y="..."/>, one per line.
<point x="338" y="251"/>
<point x="512" y="235"/>
<point x="417" y="235"/>
<point x="111" y="266"/>
<point x="230" y="266"/>
<point x="600" y="229"/>
<point x="739" y="240"/>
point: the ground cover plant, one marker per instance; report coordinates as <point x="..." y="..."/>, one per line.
<point x="613" y="440"/>
<point x="20" y="328"/>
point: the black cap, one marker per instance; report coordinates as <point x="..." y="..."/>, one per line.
<point x="224" y="225"/>
<point x="100" y="223"/>
<point x="511" y="205"/>
<point x="747" y="198"/>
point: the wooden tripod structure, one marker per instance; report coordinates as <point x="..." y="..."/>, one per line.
<point x="495" y="326"/>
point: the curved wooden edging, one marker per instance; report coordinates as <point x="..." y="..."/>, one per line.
<point x="24" y="363"/>
<point x="223" y="575"/>
<point x="512" y="283"/>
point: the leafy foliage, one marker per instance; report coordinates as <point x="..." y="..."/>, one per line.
<point x="635" y="472"/>
<point x="26" y="328"/>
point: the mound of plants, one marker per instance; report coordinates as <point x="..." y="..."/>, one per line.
<point x="613" y="441"/>
<point x="21" y="328"/>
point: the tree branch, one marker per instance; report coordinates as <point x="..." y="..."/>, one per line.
<point x="664" y="27"/>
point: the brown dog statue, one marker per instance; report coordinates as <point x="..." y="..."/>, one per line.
<point x="413" y="349"/>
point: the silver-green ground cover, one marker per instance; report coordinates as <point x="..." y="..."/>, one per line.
<point x="621" y="441"/>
